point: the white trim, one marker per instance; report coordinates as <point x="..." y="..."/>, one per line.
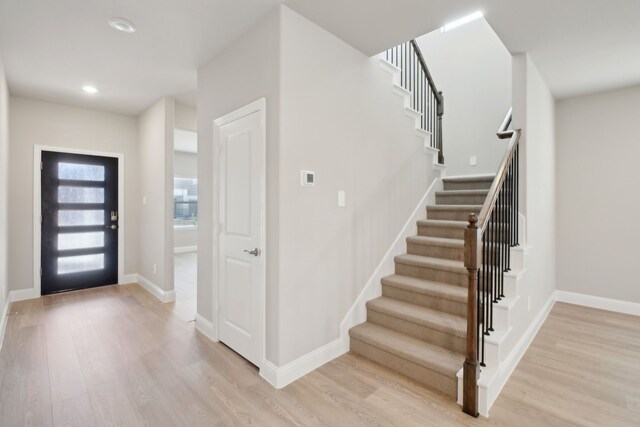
<point x="185" y="227"/>
<point x="3" y="319"/>
<point x="280" y="377"/>
<point x="156" y="291"/>
<point x="37" y="208"/>
<point x="373" y="287"/>
<point x="129" y="278"/>
<point x="618" y="306"/>
<point x="183" y="249"/>
<point x="23" y="295"/>
<point x="206" y="327"/>
<point x="260" y="106"/>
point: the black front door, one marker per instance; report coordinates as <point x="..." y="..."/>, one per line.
<point x="79" y="221"/>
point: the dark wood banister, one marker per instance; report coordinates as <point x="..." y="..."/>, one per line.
<point x="472" y="241"/>
<point x="438" y="95"/>
<point x="423" y="64"/>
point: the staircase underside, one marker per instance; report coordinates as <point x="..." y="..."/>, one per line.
<point x="418" y="326"/>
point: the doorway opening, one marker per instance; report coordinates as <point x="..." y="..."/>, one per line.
<point x="185" y="219"/>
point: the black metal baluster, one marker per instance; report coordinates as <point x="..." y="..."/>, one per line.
<point x="503" y="235"/>
<point x="517" y="194"/>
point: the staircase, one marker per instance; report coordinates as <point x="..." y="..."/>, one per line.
<point x="418" y="327"/>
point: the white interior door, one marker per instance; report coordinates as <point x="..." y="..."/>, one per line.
<point x="241" y="263"/>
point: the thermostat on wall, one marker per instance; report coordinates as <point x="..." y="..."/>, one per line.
<point x="307" y="178"/>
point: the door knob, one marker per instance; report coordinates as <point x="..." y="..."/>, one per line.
<point x="114" y="227"/>
<point x="254" y="252"/>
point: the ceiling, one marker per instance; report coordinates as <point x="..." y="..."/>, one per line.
<point x="50" y="49"/>
<point x="579" y="46"/>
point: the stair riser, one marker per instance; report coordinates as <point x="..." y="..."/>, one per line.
<point x="428" y="301"/>
<point x="433" y="251"/>
<point x="428" y="377"/>
<point x="460" y="200"/>
<point x="449" y="215"/>
<point x="421" y="332"/>
<point x="443" y="276"/>
<point x="472" y="185"/>
<point x="445" y="232"/>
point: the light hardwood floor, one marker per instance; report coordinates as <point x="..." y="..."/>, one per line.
<point x="186" y="285"/>
<point x="116" y="356"/>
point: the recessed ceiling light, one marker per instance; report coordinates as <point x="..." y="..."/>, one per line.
<point x="89" y="89"/>
<point x="123" y="25"/>
<point x="460" y="22"/>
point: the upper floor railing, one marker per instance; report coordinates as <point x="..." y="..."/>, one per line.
<point x="425" y="97"/>
<point x="487" y="256"/>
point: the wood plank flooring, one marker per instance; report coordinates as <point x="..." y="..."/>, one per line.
<point x="116" y="356"/>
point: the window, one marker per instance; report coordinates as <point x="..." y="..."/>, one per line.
<point x="185" y="202"/>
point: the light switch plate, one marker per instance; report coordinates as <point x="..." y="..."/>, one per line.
<point x="473" y="161"/>
<point x="341" y="199"/>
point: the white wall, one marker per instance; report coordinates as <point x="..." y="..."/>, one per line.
<point x="155" y="135"/>
<point x="245" y="71"/>
<point x="185" y="165"/>
<point x="472" y="68"/>
<point x="534" y="112"/>
<point x="4" y="188"/>
<point x="598" y="146"/>
<point x="339" y="118"/>
<point x="42" y="123"/>
<point x="186" y="117"/>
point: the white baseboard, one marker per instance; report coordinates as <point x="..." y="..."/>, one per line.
<point x="129" y="278"/>
<point x="3" y="319"/>
<point x="373" y="288"/>
<point x="618" y="306"/>
<point x="281" y="376"/>
<point x="206" y="327"/>
<point x="23" y="294"/>
<point x="184" y="249"/>
<point x="161" y="294"/>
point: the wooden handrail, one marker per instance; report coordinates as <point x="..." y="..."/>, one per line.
<point x="489" y="203"/>
<point x="423" y="64"/>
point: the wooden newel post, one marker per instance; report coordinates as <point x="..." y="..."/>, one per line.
<point x="471" y="370"/>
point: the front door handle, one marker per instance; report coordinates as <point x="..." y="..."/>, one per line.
<point x="114" y="227"/>
<point x="254" y="252"/>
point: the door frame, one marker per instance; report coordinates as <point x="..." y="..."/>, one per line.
<point x="259" y="106"/>
<point x="37" y="209"/>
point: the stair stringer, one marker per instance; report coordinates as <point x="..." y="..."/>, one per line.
<point x="504" y="347"/>
<point x="405" y="94"/>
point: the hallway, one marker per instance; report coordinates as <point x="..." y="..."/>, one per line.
<point x="186" y="285"/>
<point x="116" y="356"/>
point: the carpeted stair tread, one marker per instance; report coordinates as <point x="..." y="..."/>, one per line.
<point x="429" y="262"/>
<point x="442" y="223"/>
<point x="438" y="320"/>
<point x="414" y="350"/>
<point x="469" y="208"/>
<point x="462" y="193"/>
<point x="426" y="287"/>
<point x="436" y="241"/>
<point x="488" y="178"/>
